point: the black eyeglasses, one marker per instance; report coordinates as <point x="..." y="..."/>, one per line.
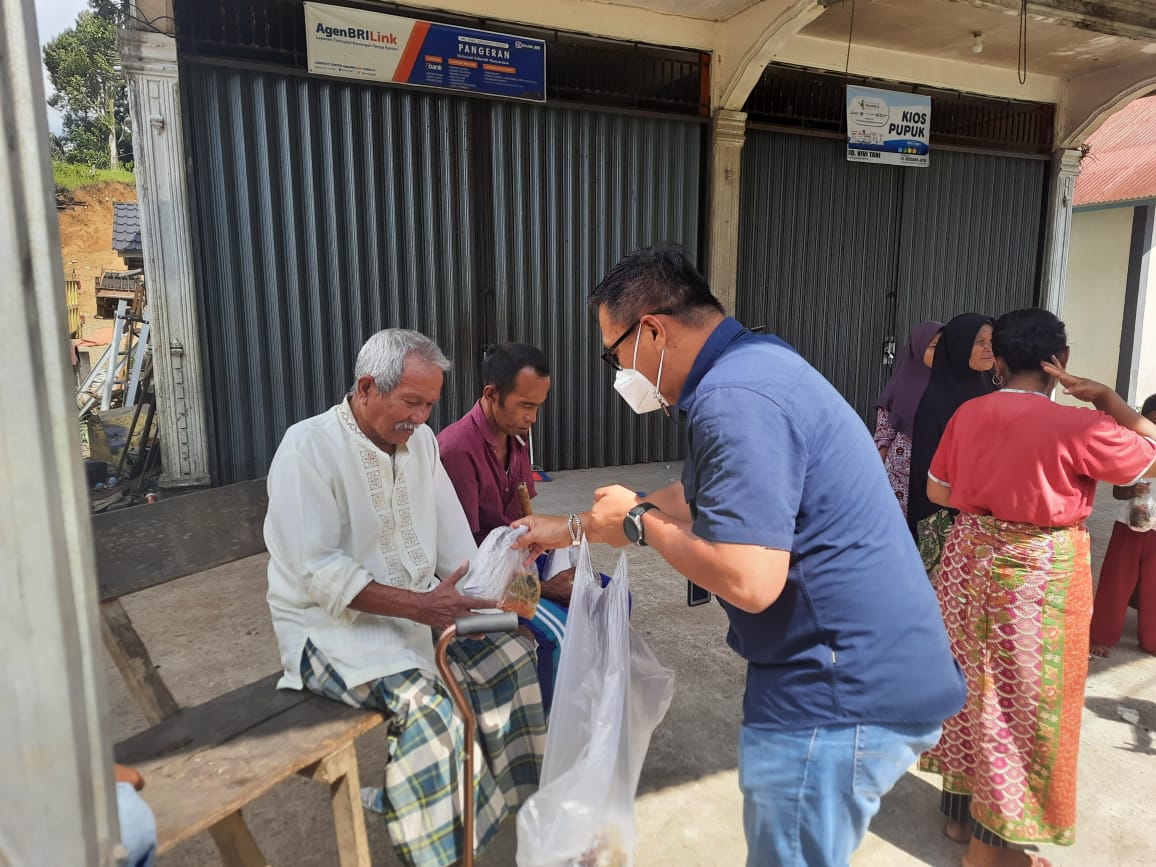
<point x="608" y="354"/>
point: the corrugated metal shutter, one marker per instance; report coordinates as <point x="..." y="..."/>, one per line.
<point x="838" y="258"/>
<point x="972" y="235"/>
<point x="817" y="246"/>
<point x="574" y="191"/>
<point x="325" y="211"/>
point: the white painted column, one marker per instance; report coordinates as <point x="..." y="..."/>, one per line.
<point x="728" y="131"/>
<point x="56" y="775"/>
<point x="150" y="64"/>
<point x="1142" y="381"/>
<point x="1061" y="192"/>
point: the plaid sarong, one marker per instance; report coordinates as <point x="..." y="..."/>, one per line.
<point x="423" y="787"/>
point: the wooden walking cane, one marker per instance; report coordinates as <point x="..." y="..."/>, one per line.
<point x="475" y="624"/>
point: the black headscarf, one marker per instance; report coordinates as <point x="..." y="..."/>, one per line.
<point x="952" y="382"/>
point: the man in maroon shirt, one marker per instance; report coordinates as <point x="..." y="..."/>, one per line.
<point x="485" y="452"/>
<point x="487" y="457"/>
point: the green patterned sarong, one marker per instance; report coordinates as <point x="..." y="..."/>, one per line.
<point x="932" y="532"/>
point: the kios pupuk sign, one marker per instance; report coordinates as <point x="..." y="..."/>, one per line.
<point x="888" y="127"/>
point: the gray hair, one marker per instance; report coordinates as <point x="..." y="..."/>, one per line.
<point x="385" y="354"/>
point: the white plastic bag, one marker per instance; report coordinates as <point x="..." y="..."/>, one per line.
<point x="610" y="695"/>
<point x="501" y="573"/>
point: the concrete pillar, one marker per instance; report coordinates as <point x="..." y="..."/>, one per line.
<point x="150" y="64"/>
<point x="728" y="132"/>
<point x="56" y="778"/>
<point x="1061" y="192"/>
<point x="1141" y="374"/>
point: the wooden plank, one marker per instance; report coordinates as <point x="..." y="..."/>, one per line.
<point x="217" y="721"/>
<point x="144" y="546"/>
<point x="134" y="663"/>
<point x="196" y="779"/>
<point x="236" y="844"/>
<point x="340" y="771"/>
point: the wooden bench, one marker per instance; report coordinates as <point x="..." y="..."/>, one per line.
<point x="203" y="764"/>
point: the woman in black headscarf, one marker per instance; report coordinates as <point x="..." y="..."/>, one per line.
<point x="961" y="371"/>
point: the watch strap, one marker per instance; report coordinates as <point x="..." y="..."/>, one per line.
<point x="634" y="517"/>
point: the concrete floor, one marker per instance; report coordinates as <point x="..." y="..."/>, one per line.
<point x="211" y="633"/>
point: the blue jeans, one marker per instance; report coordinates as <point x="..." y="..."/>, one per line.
<point x="809" y="794"/>
<point x="138" y="828"/>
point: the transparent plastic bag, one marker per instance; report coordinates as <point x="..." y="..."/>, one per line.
<point x="1142" y="509"/>
<point x="501" y="573"/>
<point x="611" y="693"/>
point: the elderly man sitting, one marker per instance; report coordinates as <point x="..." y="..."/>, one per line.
<point x="367" y="541"/>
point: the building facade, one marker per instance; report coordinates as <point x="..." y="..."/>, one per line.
<point x="1110" y="304"/>
<point x="292" y="213"/>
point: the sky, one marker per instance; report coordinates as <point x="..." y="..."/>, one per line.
<point x="53" y="16"/>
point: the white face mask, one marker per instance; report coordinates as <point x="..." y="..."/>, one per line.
<point x="639" y="392"/>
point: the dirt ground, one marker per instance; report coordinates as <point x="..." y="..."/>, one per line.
<point x="86" y="237"/>
<point x="211" y="633"/>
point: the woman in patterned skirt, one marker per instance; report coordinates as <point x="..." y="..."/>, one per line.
<point x="896" y="418"/>
<point x="1015" y="588"/>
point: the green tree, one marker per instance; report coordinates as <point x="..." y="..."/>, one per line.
<point x="83" y="67"/>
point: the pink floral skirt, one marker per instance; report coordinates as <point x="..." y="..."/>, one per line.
<point x="1017" y="602"/>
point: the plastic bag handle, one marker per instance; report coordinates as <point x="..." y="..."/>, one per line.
<point x="477" y="624"/>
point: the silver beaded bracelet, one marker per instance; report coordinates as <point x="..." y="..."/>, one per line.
<point x="574" y="527"/>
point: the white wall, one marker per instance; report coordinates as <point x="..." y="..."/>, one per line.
<point x="1094" y="298"/>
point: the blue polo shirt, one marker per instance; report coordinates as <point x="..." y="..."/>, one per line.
<point x="777" y="458"/>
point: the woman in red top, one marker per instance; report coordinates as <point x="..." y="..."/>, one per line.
<point x="1015" y="587"/>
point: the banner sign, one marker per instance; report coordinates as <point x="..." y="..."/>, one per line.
<point x="885" y="126"/>
<point x="352" y="43"/>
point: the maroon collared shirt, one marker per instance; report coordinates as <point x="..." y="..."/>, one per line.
<point x="488" y="490"/>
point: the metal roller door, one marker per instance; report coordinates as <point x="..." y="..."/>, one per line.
<point x="843" y="259"/>
<point x="324" y="210"/>
<point x="575" y="191"/>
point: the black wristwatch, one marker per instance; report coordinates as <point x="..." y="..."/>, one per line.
<point x="632" y="523"/>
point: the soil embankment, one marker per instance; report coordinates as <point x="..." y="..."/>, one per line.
<point x="86" y="236"/>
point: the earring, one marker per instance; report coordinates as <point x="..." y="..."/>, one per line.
<point x="997" y="380"/>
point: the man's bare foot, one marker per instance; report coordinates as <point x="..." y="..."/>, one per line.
<point x="956" y="832"/>
<point x="1101" y="650"/>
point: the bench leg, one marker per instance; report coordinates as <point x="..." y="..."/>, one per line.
<point x="134" y="663"/>
<point x="236" y="844"/>
<point x="340" y="772"/>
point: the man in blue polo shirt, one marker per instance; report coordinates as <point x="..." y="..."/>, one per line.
<point x="785" y="513"/>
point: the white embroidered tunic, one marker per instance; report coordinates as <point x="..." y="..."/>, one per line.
<point x="343" y="513"/>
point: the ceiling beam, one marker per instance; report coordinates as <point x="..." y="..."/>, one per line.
<point x="1133" y="19"/>
<point x="1091" y="99"/>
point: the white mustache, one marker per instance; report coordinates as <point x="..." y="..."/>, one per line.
<point x="405" y="425"/>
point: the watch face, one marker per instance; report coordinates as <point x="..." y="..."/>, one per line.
<point x="630" y="526"/>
